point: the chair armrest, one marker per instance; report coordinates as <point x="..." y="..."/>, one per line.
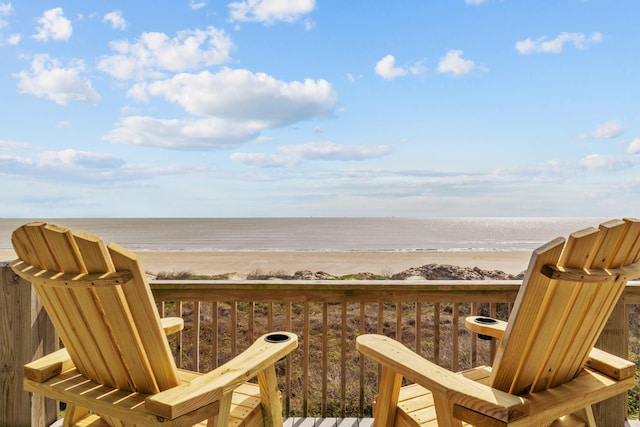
<point x="211" y="387"/>
<point x="486" y="326"/>
<point x="456" y="388"/>
<point x="613" y="366"/>
<point x="171" y="325"/>
<point x="49" y="366"/>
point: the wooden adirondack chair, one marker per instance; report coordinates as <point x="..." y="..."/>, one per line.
<point x="546" y="367"/>
<point x="116" y="367"/>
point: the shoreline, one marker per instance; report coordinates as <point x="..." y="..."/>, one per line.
<point x="336" y="263"/>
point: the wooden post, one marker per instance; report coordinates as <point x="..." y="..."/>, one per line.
<point x="27" y="333"/>
<point x="615" y="340"/>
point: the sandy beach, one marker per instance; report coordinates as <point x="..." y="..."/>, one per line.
<point x="336" y="263"/>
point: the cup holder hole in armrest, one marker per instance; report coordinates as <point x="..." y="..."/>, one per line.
<point x="485" y="321"/>
<point x="276" y="338"/>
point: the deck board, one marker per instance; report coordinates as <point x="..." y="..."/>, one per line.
<point x="342" y="422"/>
<point x="309" y="422"/>
<point x="328" y="422"/>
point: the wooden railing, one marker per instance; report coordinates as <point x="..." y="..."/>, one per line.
<point x="325" y="376"/>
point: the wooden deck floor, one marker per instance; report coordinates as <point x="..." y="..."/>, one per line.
<point x="328" y="422"/>
<point x="343" y="422"/>
<point x="308" y="422"/>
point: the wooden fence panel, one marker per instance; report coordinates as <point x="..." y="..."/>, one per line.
<point x="26" y="334"/>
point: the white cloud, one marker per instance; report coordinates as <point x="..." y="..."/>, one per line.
<point x="78" y="166"/>
<point x="309" y="24"/>
<point x="475" y="2"/>
<point x="14" y="39"/>
<point x="542" y="45"/>
<point x="354" y="79"/>
<point x="195" y="5"/>
<point x="296" y="153"/>
<point x="563" y="169"/>
<point x="386" y="68"/>
<point x="634" y="147"/>
<point x="241" y="95"/>
<point x="115" y="19"/>
<point x="269" y="11"/>
<point x="13" y="145"/>
<point x="155" y="53"/>
<point x="328" y="150"/>
<point x="418" y="68"/>
<point x="453" y="63"/>
<point x="204" y="134"/>
<point x="607" y="130"/>
<point x="599" y="162"/>
<point x="5" y="10"/>
<point x="262" y="160"/>
<point x="77" y="158"/>
<point x="53" y="25"/>
<point x="48" y="79"/>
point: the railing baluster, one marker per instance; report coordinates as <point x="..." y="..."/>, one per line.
<point x="343" y="361"/>
<point x="455" y="329"/>
<point x="215" y="319"/>
<point x="252" y="321"/>
<point x="493" y="312"/>
<point x="361" y="360"/>
<point x="305" y="361"/>
<point x="399" y="321"/>
<point x="418" y="314"/>
<point x="436" y="333"/>
<point x="180" y="335"/>
<point x="196" y="335"/>
<point x="287" y="375"/>
<point x="325" y="356"/>
<point x="474" y="338"/>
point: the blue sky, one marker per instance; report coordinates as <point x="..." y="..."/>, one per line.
<point x="410" y="108"/>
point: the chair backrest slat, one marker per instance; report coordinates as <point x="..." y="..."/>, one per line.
<point x="555" y="323"/>
<point x="512" y="361"/>
<point x="63" y="249"/>
<point x="94" y="253"/>
<point x="145" y="317"/>
<point x="38" y="247"/>
<point x="112" y="333"/>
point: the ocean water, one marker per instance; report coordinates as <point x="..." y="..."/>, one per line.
<point x="321" y="234"/>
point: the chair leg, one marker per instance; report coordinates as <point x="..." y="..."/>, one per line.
<point x="222" y="419"/>
<point x="444" y="411"/>
<point x="387" y="400"/>
<point x="270" y="397"/>
<point x="586" y="415"/>
<point x="73" y="414"/>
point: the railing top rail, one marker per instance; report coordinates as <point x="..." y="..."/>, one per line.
<point x="348" y="290"/>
